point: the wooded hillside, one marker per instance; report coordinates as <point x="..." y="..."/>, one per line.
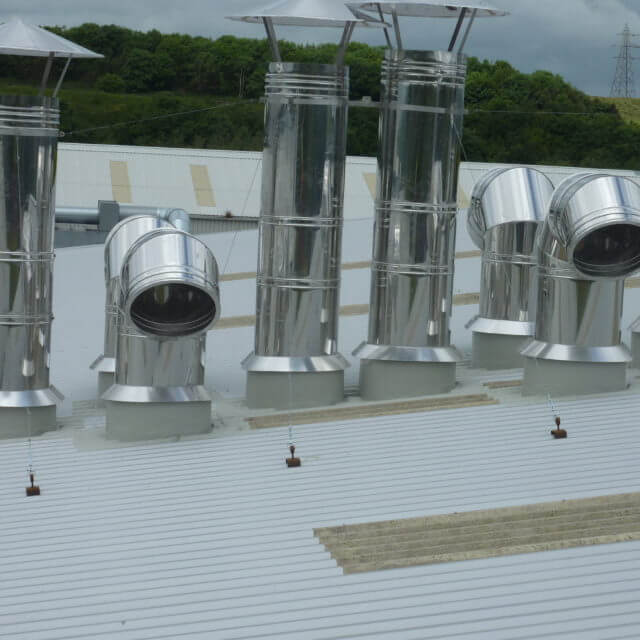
<point x="215" y="87"/>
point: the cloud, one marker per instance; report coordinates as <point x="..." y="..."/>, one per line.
<point x="574" y="38"/>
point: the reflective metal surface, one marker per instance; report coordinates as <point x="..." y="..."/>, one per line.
<point x="142" y="394"/>
<point x="415" y="218"/>
<point x="407" y="354"/>
<point x="169" y="284"/>
<point x="166" y="294"/>
<point x="28" y="144"/>
<point x="507" y="206"/>
<point x="430" y="8"/>
<point x="301" y="216"/>
<point x="285" y="364"/>
<point x="588" y="244"/>
<point x="116" y="245"/>
<point x="301" y="13"/>
<point x="618" y="353"/>
<point x="159" y="362"/>
<point x="19" y="38"/>
<point x="29" y="398"/>
<point x="594" y="218"/>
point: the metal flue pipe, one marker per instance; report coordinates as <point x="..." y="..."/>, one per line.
<point x="116" y="245"/>
<point x="408" y="351"/>
<point x="28" y="147"/>
<point x="179" y="218"/>
<point x="589" y="243"/>
<point x="135" y="220"/>
<point x="168" y="299"/>
<point x="295" y="361"/>
<point x="507" y="206"/>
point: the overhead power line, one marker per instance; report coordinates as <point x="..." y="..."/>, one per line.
<point x="162" y="116"/>
<point x="176" y="114"/>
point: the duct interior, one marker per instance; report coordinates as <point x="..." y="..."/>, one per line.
<point x="415" y="226"/>
<point x="507" y="206"/>
<point x="28" y="145"/>
<point x="298" y="273"/>
<point x="589" y="243"/>
<point x="167" y="299"/>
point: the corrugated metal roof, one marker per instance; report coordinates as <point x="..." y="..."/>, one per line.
<point x="212" y="538"/>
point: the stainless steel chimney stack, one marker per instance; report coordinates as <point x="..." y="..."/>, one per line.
<point x="28" y="145"/>
<point x="409" y="351"/>
<point x="28" y="148"/>
<point x="507" y="206"/>
<point x="589" y="243"/>
<point x="296" y="361"/>
<point x="167" y="298"/>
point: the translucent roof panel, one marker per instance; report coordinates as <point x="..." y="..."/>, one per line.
<point x="17" y="38"/>
<point x="431" y="8"/>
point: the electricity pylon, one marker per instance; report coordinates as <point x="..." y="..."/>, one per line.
<point x="623" y="82"/>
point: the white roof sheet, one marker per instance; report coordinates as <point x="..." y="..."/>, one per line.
<point x="19" y="38"/>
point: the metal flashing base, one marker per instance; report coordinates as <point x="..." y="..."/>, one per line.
<point x="21" y="422"/>
<point x="294" y="390"/>
<point x="497" y="351"/>
<point x="148" y="413"/>
<point x="105" y="381"/>
<point x="391" y="379"/>
<point x="559" y="377"/>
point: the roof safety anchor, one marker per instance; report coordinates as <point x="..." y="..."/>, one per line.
<point x="293" y="461"/>
<point x="34" y="489"/>
<point x="558" y="433"/>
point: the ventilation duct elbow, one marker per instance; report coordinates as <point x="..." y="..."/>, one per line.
<point x="169" y="284"/>
<point x="116" y="245"/>
<point x="589" y="243"/>
<point x="167" y="298"/>
<point x="593" y="228"/>
<point x="507" y="207"/>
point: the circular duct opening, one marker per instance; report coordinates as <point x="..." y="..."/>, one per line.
<point x="612" y="251"/>
<point x="173" y="310"/>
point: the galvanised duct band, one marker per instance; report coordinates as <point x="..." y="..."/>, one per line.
<point x="28" y="146"/>
<point x="298" y="270"/>
<point x="415" y="213"/>
<point x="588" y="244"/>
<point x="507" y="206"/>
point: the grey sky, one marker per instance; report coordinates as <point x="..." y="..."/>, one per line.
<point x="573" y="38"/>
